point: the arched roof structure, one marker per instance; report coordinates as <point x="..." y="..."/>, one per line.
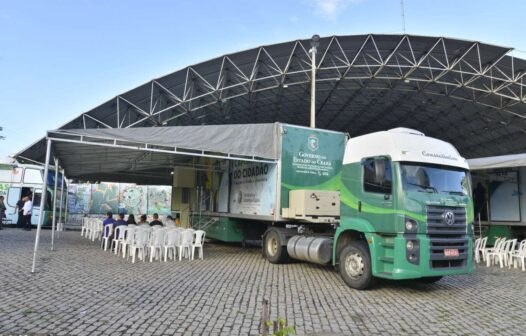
<point x="466" y="92"/>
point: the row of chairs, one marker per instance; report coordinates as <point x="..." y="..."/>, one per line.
<point x="91" y="228"/>
<point x="156" y="242"/>
<point x="504" y="252"/>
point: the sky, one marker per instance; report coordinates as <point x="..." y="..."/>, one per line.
<point x="60" y="58"/>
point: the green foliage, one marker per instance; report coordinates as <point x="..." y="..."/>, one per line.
<point x="283" y="329"/>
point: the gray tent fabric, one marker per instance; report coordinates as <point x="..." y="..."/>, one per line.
<point x="147" y="155"/>
<point x="492" y="162"/>
<point x="254" y="140"/>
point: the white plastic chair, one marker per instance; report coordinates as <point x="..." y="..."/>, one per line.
<point x="118" y="237"/>
<point x="138" y="245"/>
<point x="156" y="243"/>
<point x="502" y="253"/>
<point x="107" y="231"/>
<point x="90" y="227"/>
<point x="187" y="238"/>
<point x="129" y="235"/>
<point x="84" y="227"/>
<point x="199" y="239"/>
<point x="96" y="230"/>
<point x="496" y="246"/>
<point x="172" y="240"/>
<point x="519" y="256"/>
<point x="479" y="250"/>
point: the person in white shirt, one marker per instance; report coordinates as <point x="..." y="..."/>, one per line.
<point x="169" y="221"/>
<point x="28" y="208"/>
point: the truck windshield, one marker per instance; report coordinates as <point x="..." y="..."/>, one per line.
<point x="434" y="179"/>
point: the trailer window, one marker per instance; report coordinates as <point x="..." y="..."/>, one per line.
<point x="33" y="176"/>
<point x="11" y="175"/>
<point x="374" y="180"/>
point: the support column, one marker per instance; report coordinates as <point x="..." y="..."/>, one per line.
<point x="42" y="203"/>
<point x="314" y="49"/>
<point x="54" y="207"/>
<point x="61" y="201"/>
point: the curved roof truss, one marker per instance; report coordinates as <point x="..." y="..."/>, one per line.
<point x="465" y="92"/>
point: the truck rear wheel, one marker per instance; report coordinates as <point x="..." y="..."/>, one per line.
<point x="275" y="251"/>
<point x="355" y="265"/>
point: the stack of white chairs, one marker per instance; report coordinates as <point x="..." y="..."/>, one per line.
<point x="84" y="227"/>
<point x="496" y="246"/>
<point x="478" y="250"/>
<point x="501" y="252"/>
<point x="519" y="256"/>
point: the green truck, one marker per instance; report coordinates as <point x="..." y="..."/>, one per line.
<point x="393" y="204"/>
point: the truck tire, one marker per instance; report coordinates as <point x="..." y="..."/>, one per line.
<point x="355" y="265"/>
<point x="429" y="280"/>
<point x="274" y="250"/>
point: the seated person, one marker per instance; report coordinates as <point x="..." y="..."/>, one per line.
<point x="109" y="219"/>
<point x="156" y="220"/>
<point x="169" y="221"/>
<point x="143" y="221"/>
<point x="119" y="222"/>
<point x="131" y="219"/>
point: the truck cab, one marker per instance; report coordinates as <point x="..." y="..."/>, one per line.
<point x="406" y="209"/>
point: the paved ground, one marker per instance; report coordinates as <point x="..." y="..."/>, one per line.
<point x="81" y="290"/>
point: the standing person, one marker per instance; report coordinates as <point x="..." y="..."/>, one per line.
<point x="2" y="212"/>
<point x="27" y="210"/>
<point x="19" y="210"/>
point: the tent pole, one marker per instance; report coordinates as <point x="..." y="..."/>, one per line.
<point x="61" y="201"/>
<point x="54" y="207"/>
<point x="66" y="206"/>
<point x="42" y="202"/>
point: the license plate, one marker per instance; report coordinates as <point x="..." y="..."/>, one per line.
<point x="451" y="252"/>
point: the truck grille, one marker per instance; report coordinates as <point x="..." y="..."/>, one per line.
<point x="446" y="229"/>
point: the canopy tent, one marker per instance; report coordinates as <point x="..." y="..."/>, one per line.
<point x="147" y="155"/>
<point x="503" y="161"/>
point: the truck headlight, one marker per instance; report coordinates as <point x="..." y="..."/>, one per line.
<point x="411" y="226"/>
<point x="410" y="245"/>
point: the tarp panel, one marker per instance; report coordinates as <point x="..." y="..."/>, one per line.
<point x="504" y="161"/>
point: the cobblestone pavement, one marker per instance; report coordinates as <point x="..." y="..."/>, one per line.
<point x="82" y="290"/>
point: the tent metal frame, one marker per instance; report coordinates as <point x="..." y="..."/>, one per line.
<point x="364" y="83"/>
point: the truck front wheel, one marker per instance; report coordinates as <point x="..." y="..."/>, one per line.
<point x="275" y="252"/>
<point x="355" y="265"/>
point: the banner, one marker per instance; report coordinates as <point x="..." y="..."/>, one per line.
<point x="104" y="198"/>
<point x="311" y="159"/>
<point x="253" y="188"/>
<point x="132" y="199"/>
<point x="79" y="198"/>
<point x="160" y="200"/>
